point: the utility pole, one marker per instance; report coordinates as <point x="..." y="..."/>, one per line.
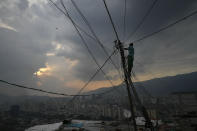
<point x="148" y="123"/>
<point x="126" y="77"/>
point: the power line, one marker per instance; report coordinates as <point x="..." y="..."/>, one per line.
<point x="143" y="19"/>
<point x="84" y="42"/>
<point x="91" y="78"/>
<point x="81" y="29"/>
<point x="100" y="68"/>
<point x="166" y="27"/>
<point x="67" y="15"/>
<point x="39" y="90"/>
<point x="124" y="19"/>
<point x="93" y="32"/>
<point x="50" y="92"/>
<point x="110" y="17"/>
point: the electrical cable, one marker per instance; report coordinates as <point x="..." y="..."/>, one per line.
<point x="143" y="19"/>
<point x="110" y="17"/>
<point x="81" y="29"/>
<point x="166" y="27"/>
<point x="124" y="19"/>
<point x="40" y="90"/>
<point x="91" y="78"/>
<point x="74" y="24"/>
<point x="84" y="42"/>
<point x="93" y="32"/>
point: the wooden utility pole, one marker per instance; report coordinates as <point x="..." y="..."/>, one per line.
<point x="126" y="77"/>
<point x="148" y="123"/>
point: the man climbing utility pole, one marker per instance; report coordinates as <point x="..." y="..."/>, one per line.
<point x="130" y="58"/>
<point x="126" y="77"/>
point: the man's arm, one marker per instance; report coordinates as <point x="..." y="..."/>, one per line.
<point x="126" y="48"/>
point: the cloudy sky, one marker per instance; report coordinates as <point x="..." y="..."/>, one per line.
<point x="40" y="48"/>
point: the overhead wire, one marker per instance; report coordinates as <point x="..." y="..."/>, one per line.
<point x="111" y="20"/>
<point x="80" y="28"/>
<point x="166" y="27"/>
<point x="84" y="42"/>
<point x="143" y="19"/>
<point x="93" y="32"/>
<point x="39" y="90"/>
<point x="124" y="19"/>
<point x="91" y="78"/>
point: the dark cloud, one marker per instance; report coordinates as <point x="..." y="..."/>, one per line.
<point x="23" y="4"/>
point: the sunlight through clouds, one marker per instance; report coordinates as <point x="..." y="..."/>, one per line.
<point x="45" y="71"/>
<point x="50" y="54"/>
<point x="3" y="25"/>
<point x="58" y="46"/>
<point x="38" y="2"/>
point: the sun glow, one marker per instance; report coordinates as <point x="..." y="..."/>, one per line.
<point x="3" y="25"/>
<point x="46" y="71"/>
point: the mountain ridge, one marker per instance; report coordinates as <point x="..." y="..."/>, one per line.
<point x="162" y="86"/>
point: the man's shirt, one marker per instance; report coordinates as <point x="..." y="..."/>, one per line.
<point x="131" y="51"/>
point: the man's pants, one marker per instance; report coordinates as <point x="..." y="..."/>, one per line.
<point x="130" y="64"/>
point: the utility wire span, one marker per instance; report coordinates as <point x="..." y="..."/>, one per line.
<point x="84" y="42"/>
<point x="143" y="19"/>
<point x="94" y="34"/>
<point x="124" y="19"/>
<point x="110" y="17"/>
<point x="81" y="29"/>
<point x="39" y="90"/>
<point x="91" y="78"/>
<point x="66" y="14"/>
<point x="166" y="27"/>
<point x="97" y="71"/>
<point x="89" y="51"/>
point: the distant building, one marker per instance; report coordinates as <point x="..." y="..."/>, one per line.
<point x="14" y="110"/>
<point x="186" y="110"/>
<point x="187" y="101"/>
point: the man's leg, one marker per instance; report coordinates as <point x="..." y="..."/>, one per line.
<point x="130" y="65"/>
